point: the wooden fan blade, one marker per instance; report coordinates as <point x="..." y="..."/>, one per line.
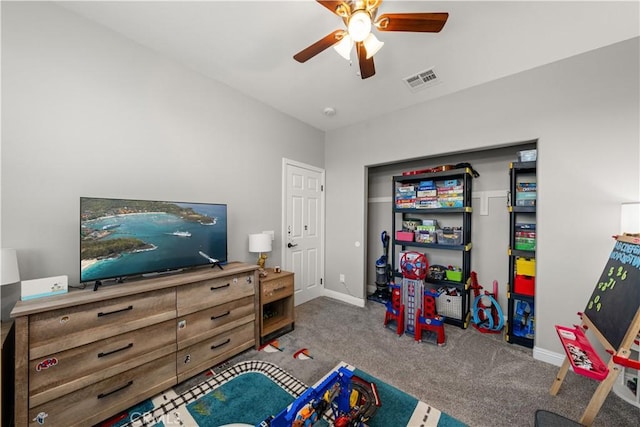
<point x="367" y="69"/>
<point x="415" y="22"/>
<point x="340" y="8"/>
<point x="326" y="42"/>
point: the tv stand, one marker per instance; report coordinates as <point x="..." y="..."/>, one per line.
<point x="149" y="335"/>
<point x="97" y="285"/>
<point x="217" y="264"/>
<point x="162" y="273"/>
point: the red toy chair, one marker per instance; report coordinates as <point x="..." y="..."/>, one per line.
<point x="395" y="309"/>
<point x="431" y="321"/>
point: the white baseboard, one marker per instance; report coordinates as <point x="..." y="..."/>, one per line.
<point x="349" y="299"/>
<point x="548" y="356"/>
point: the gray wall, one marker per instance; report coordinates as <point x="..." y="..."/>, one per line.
<point x="583" y="111"/>
<point x="86" y="112"/>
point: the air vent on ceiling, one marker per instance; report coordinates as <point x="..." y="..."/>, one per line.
<point x="422" y="80"/>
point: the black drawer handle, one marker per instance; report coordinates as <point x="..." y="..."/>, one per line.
<point x="221" y="315"/>
<point x="221" y="287"/>
<point x="213" y="347"/>
<point x="101" y="314"/>
<point x="116" y="350"/>
<point x="101" y="395"/>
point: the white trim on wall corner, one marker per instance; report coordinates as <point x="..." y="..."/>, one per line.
<point x="349" y="299"/>
<point x="385" y="199"/>
<point x="548" y="356"/>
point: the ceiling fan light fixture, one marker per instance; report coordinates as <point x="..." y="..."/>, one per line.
<point x="372" y="45"/>
<point x="344" y="47"/>
<point x="359" y="25"/>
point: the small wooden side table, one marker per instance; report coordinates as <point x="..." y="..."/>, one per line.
<point x="276" y="305"/>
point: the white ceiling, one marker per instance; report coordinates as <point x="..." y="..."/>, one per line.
<point x="249" y="45"/>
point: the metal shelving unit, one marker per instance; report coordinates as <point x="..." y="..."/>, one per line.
<point x="464" y="249"/>
<point x="521" y="306"/>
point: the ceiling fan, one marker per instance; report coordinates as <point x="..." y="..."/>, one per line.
<point x="360" y="17"/>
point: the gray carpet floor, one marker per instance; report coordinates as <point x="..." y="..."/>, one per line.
<point x="477" y="378"/>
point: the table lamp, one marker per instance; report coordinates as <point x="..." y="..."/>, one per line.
<point x="260" y="243"/>
<point x="10" y="272"/>
<point x="630" y="218"/>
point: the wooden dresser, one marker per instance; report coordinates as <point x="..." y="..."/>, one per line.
<point x="85" y="356"/>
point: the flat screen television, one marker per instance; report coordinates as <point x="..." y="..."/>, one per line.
<point x="120" y="238"/>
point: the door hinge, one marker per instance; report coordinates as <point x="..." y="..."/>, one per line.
<point x="321" y="187"/>
<point x="321" y="282"/>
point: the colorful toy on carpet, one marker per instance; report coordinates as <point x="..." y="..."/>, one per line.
<point x="428" y="320"/>
<point x="351" y="400"/>
<point x="487" y="314"/>
<point x="395" y="309"/>
<point x="302" y="354"/>
<point x="271" y="347"/>
<point x="412" y="307"/>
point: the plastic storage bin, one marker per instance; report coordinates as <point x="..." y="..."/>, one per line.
<point x="449" y="236"/>
<point x="404" y="236"/>
<point x="454" y="275"/>
<point x="525" y="285"/>
<point x="525" y="266"/>
<point x="449" y="305"/>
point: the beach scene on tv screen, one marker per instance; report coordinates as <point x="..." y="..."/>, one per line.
<point x="120" y="238"/>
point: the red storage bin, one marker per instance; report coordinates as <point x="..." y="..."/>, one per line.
<point x="524" y="285"/>
<point x="405" y="236"/>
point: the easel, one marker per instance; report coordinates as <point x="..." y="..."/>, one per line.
<point x="613" y="316"/>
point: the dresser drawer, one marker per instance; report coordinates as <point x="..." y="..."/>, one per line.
<point x="208" y="353"/>
<point x="57" y="330"/>
<point x="204" y="324"/>
<point x="61" y="373"/>
<point x="277" y="288"/>
<point x="101" y="400"/>
<point x="209" y="293"/>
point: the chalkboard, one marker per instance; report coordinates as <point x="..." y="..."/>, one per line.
<point x="616" y="298"/>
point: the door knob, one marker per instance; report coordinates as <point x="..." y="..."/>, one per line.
<point x="291" y="245"/>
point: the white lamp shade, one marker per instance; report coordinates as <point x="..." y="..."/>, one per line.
<point x="10" y="272"/>
<point x="630" y="218"/>
<point x="372" y="45"/>
<point x="344" y="47"/>
<point x="259" y="242"/>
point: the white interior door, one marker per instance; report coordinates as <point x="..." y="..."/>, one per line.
<point x="303" y="228"/>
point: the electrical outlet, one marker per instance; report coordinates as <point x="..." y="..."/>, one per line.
<point x="342" y="278"/>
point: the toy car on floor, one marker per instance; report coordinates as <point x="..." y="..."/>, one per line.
<point x="346" y="398"/>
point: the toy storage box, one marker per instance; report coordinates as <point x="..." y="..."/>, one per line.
<point x="404" y="236"/>
<point x="524" y="285"/>
<point x="527" y="155"/>
<point x="454" y="275"/>
<point x="449" y="236"/>
<point x="449" y="305"/>
<point x="526" y="266"/>
<point x="422" y="236"/>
